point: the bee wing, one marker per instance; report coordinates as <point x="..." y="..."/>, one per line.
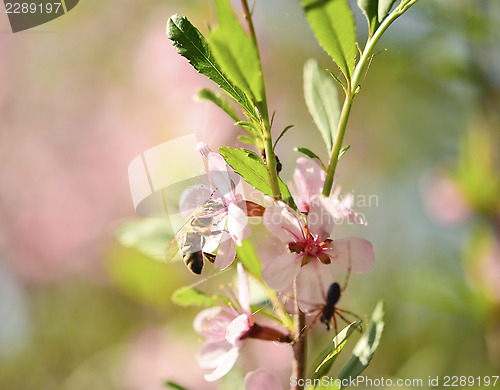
<point x="171" y="250"/>
<point x="208" y="208"/>
<point x="173" y="246"/>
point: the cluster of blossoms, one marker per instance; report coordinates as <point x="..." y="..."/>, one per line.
<point x="225" y="188"/>
<point x="307" y="252"/>
<point x="227" y="327"/>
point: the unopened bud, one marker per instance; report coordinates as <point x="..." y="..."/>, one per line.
<point x="203" y="148"/>
<point x="265" y="333"/>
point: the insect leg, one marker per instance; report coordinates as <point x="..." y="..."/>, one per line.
<point x="340" y="311"/>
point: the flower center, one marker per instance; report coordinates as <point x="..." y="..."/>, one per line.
<point x="309" y="249"/>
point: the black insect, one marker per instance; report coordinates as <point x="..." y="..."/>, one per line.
<point x="329" y="310"/>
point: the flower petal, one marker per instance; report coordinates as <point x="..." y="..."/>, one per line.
<point x="262" y="379"/>
<point x="341" y="209"/>
<point x="224" y="365"/>
<point x="354" y="254"/>
<point x="203" y="148"/>
<point x="205" y="320"/>
<point x="319" y="221"/>
<point x="226" y="253"/>
<point x="237" y="223"/>
<point x="283" y="222"/>
<point x="313" y="282"/>
<point x="309" y="178"/>
<point x="212" y="354"/>
<point x="280" y="272"/>
<point x="221" y="177"/>
<point x="237" y="328"/>
<point x="193" y="197"/>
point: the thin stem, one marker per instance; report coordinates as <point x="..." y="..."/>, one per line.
<point x="353" y="88"/>
<point x="300" y="346"/>
<point x="261" y="105"/>
<point x="344" y="117"/>
<point x="264" y="112"/>
<point x="248" y="17"/>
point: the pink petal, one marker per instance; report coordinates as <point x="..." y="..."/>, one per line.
<point x="237" y="328"/>
<point x="313" y="282"/>
<point x="355" y="254"/>
<point x="243" y="290"/>
<point x="204" y="323"/>
<point x="226" y="253"/>
<point x="283" y="222"/>
<point x="338" y="209"/>
<point x="220" y="178"/>
<point x="212" y="242"/>
<point x="262" y="379"/>
<point x="309" y="178"/>
<point x="237" y="223"/>
<point x="212" y="354"/>
<point x="193" y="197"/>
<point x="225" y="365"/>
<point x="203" y="148"/>
<point x="319" y="220"/>
<point x="280" y="272"/>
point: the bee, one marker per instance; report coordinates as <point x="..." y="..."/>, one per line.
<point x="192" y="236"/>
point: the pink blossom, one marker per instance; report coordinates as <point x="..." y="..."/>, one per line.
<point x="232" y="220"/>
<point x="309" y="249"/>
<point x="262" y="379"/>
<point x="309" y="179"/>
<point x="226" y="328"/>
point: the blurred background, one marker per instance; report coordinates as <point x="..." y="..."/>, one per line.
<point x="81" y="96"/>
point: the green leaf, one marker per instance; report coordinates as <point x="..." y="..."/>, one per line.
<point x="251" y="129"/>
<point x="384" y="7"/>
<point x="248" y="256"/>
<point x="219" y="100"/>
<point x="246" y="140"/>
<point x="191" y="44"/>
<point x="375" y="12"/>
<point x="333" y="24"/>
<point x="251" y="168"/>
<point x="236" y="52"/>
<point x="370" y="9"/>
<point x="150" y="236"/>
<point x="174" y="386"/>
<point x="343" y="150"/>
<point x="366" y="346"/>
<point x="309" y="153"/>
<point x="322" y="101"/>
<point x="189" y="296"/>
<point x="283" y="132"/>
<point x="327" y="357"/>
